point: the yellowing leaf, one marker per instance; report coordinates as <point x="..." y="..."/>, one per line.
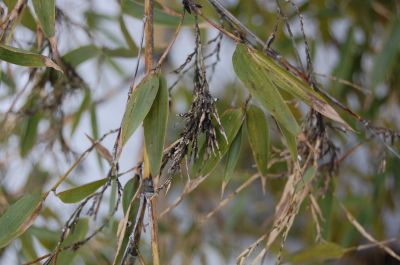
<point x="261" y="87"/>
<point x="46" y="12"/>
<point x="25" y="58"/>
<point x="139" y="105"/>
<point x="155" y="128"/>
<point x="77" y="194"/>
<point x="19" y="217"/>
<point x="283" y="79"/>
<point x="258" y="133"/>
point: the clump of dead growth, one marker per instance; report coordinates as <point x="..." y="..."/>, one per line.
<point x="199" y="119"/>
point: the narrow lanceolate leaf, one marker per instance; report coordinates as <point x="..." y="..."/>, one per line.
<point x="130" y="189"/>
<point x="155" y="128"/>
<point x="291" y="142"/>
<point x="231" y="121"/>
<point x="19" y="217"/>
<point x="25" y="58"/>
<point x="262" y="88"/>
<point x="280" y="78"/>
<point x="126" y="225"/>
<point x="79" y="232"/>
<point x="46" y="13"/>
<point x="139" y="105"/>
<point x="317" y="254"/>
<point x="127" y="36"/>
<point x="307" y="178"/>
<point x="29" y="134"/>
<point x="258" y="133"/>
<point x="77" y="194"/>
<point x="231" y="159"/>
<point x="80" y="55"/>
<point x="386" y="59"/>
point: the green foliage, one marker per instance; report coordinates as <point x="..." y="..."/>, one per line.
<point x="79" y="193"/>
<point x="18" y="217"/>
<point x="25" y="58"/>
<point x="298" y="191"/>
<point x="231" y="121"/>
<point x="46" y="12"/>
<point x="139" y="104"/>
<point x="258" y="133"/>
<point x="155" y="127"/>
<point x="260" y="85"/>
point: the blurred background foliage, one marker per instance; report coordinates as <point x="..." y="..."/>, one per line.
<point x="45" y="115"/>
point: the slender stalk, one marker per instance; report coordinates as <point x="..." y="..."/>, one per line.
<point x="148" y="55"/>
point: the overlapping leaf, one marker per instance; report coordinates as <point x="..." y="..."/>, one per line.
<point x="19" y="217"/>
<point x="262" y="69"/>
<point x="231" y="160"/>
<point x="231" y="121"/>
<point x="260" y="85"/>
<point x="77" y="194"/>
<point x="155" y="128"/>
<point x="46" y="13"/>
<point x="258" y="133"/>
<point x="139" y="105"/>
<point x="25" y="58"/>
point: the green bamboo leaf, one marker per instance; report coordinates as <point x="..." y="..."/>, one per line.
<point x="19" y="217"/>
<point x="283" y="79"/>
<point x="46" y="12"/>
<point x="317" y="253"/>
<point x="231" y="160"/>
<point x="307" y="178"/>
<point x="79" y="232"/>
<point x="127" y="36"/>
<point x="81" y="54"/>
<point x="29" y="134"/>
<point x="258" y="134"/>
<point x="25" y="58"/>
<point x="261" y="88"/>
<point x="139" y="105"/>
<point x="136" y="9"/>
<point x="280" y="78"/>
<point x="79" y="193"/>
<point x="291" y="142"/>
<point x="119" y="52"/>
<point x="155" y="128"/>
<point x="46" y="237"/>
<point x="27" y="19"/>
<point x="78" y="115"/>
<point x="28" y="247"/>
<point x="386" y="58"/>
<point x="231" y="121"/>
<point x="326" y="204"/>
<point x="129" y="191"/>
